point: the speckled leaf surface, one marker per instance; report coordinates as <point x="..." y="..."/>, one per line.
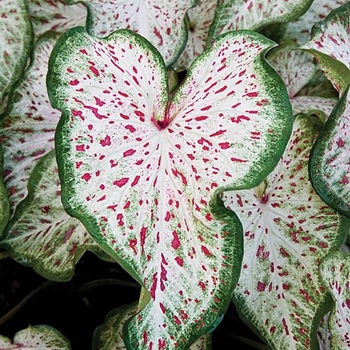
<point x="300" y="30"/>
<point x="335" y="273"/>
<point x="39" y="337"/>
<point x="27" y="132"/>
<point x="41" y="234"/>
<point x="55" y="15"/>
<point x="294" y="66"/>
<point x="321" y="106"/>
<point x="109" y="336"/>
<point x="15" y="45"/>
<point x="198" y="22"/>
<point x="323" y="335"/>
<point x="142" y="171"/>
<point x="288" y="230"/>
<point x="330" y="45"/>
<point x="329" y="161"/>
<point x="160" y="22"/>
<point x="254" y="14"/>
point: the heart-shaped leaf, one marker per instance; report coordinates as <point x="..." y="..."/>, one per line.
<point x="27" y="132"/>
<point x="39" y="337"/>
<point x="109" y="336"/>
<point x="198" y="22"/>
<point x="55" y="15"/>
<point x="329" y="163"/>
<point x="16" y="38"/>
<point x="300" y="30"/>
<point x="161" y="22"/>
<point x="335" y="273"/>
<point x="288" y="231"/>
<point x="41" y="234"/>
<point x="254" y="14"/>
<point x="330" y="45"/>
<point x="142" y="171"/>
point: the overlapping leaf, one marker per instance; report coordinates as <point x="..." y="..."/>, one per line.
<point x="330" y="162"/>
<point x="141" y="171"/>
<point x="27" y="132"/>
<point x="41" y="234"/>
<point x="335" y="273"/>
<point x="254" y="14"/>
<point x="15" y="44"/>
<point x="161" y="22"/>
<point x="199" y="20"/>
<point x="297" y="69"/>
<point x="300" y="30"/>
<point x="330" y="45"/>
<point x="55" y="15"/>
<point x="109" y="336"/>
<point x="39" y="337"/>
<point x="288" y="231"/>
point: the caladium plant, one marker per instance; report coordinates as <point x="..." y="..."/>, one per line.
<point x="127" y="153"/>
<point x="144" y="164"/>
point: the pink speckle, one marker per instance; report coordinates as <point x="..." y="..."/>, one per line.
<point x="176" y="241"/>
<point x="129" y="152"/>
<point x="121" y="182"/>
<point x="86" y="177"/>
<point x="206" y="251"/>
<point x="106" y="141"/>
<point x="261" y="287"/>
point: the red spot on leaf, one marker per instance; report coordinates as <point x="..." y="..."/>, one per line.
<point x="74" y="82"/>
<point x="176" y="241"/>
<point x="206" y="251"/>
<point x="86" y="177"/>
<point x="129" y="152"/>
<point x="179" y="261"/>
<point x="121" y="182"/>
<point x="261" y="286"/>
<point x="106" y="141"/>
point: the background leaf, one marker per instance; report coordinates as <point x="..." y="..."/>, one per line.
<point x="27" y="132"/>
<point x="39" y="337"/>
<point x="330" y="45"/>
<point x="15" y="45"/>
<point x="55" y="15"/>
<point x="335" y="273"/>
<point x="254" y="14"/>
<point x="288" y="231"/>
<point x="160" y="22"/>
<point x="329" y="161"/>
<point x="41" y="234"/>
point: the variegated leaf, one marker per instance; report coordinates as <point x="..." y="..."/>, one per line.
<point x="288" y="231"/>
<point x="330" y="45"/>
<point x="4" y="202"/>
<point x="300" y="30"/>
<point x="254" y="14"/>
<point x="39" y="337"/>
<point x="323" y="335"/>
<point x="199" y="19"/>
<point x="27" y="132"/>
<point x="335" y="274"/>
<point x="142" y="171"/>
<point x="294" y="66"/>
<point x="330" y="159"/>
<point x="109" y="336"/>
<point x="15" y="45"/>
<point x="41" y="234"/>
<point x="55" y="15"/>
<point x="321" y="106"/>
<point x="160" y="22"/>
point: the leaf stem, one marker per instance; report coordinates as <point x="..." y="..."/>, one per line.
<point x="106" y="282"/>
<point x="15" y="309"/>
